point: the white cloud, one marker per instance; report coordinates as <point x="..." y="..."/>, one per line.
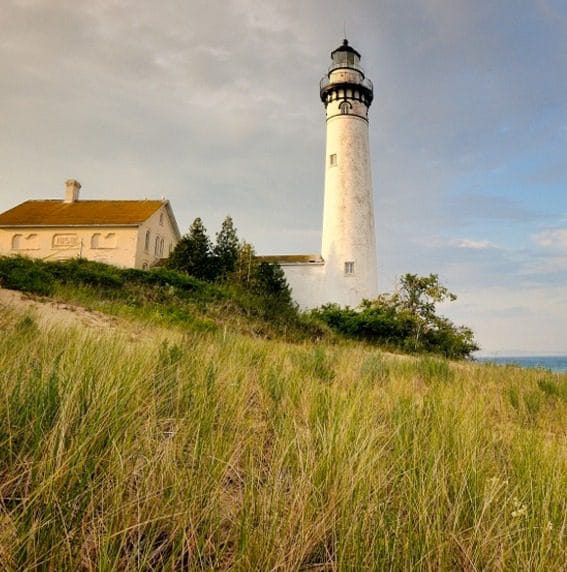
<point x="474" y="244"/>
<point x="467" y="243"/>
<point x="509" y="321"/>
<point x="262" y="15"/>
<point x="555" y="239"/>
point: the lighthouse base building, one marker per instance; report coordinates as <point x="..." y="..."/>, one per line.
<point x="305" y="274"/>
<point x="345" y="272"/>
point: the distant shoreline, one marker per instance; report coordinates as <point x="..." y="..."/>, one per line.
<point x="556" y="363"/>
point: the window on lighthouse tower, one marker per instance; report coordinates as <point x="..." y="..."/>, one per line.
<point x="349" y="267"/>
<point x="333" y="160"/>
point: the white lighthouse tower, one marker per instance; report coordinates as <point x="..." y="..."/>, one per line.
<point x="348" y="241"/>
<point x="345" y="272"/>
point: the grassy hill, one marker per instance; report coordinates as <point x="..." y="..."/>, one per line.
<point x="195" y="445"/>
<point x="160" y="297"/>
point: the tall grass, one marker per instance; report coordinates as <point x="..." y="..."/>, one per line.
<point x="215" y="451"/>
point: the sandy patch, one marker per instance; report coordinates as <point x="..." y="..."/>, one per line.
<point x="52" y="313"/>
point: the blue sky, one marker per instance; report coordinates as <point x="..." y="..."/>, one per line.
<point x="215" y="105"/>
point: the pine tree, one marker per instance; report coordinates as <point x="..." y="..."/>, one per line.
<point x="193" y="253"/>
<point x="271" y="282"/>
<point x="226" y="249"/>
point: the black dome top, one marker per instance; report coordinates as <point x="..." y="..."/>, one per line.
<point x="345" y="48"/>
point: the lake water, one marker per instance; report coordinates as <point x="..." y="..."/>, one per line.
<point x="554" y="363"/>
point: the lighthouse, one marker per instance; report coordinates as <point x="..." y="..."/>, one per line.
<point x="345" y="271"/>
<point x="348" y="239"/>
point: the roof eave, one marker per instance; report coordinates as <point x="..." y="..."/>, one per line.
<point x="172" y="219"/>
<point x="83" y="225"/>
<point x="313" y="263"/>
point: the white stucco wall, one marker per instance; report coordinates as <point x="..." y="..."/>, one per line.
<point x="160" y="227"/>
<point x="112" y="245"/>
<point x="348" y="216"/>
<point x="305" y="281"/>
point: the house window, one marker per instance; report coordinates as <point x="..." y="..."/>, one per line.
<point x="161" y="219"/>
<point x="99" y="240"/>
<point x="147" y="241"/>
<point x="32" y="242"/>
<point x="349" y="268"/>
<point x="17" y="240"/>
<point x="156" y="246"/>
<point x="25" y="242"/>
<point x="333" y="160"/>
<point x="161" y="244"/>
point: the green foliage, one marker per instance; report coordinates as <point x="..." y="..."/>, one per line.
<point x="166" y="295"/>
<point x="405" y="320"/>
<point x="20" y="273"/>
<point x="246" y="266"/>
<point x="194" y="253"/>
<point x="234" y="264"/>
<point x="226" y="249"/>
<point x="265" y="281"/>
<point x="419" y="294"/>
<point x="271" y="282"/>
<point x="43" y="277"/>
<point x="165" y="277"/>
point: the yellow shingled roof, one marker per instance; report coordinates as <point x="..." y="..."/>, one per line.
<point x="59" y="213"/>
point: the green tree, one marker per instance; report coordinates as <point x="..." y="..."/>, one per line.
<point x="271" y="281"/>
<point x="193" y="253"/>
<point x="246" y="265"/>
<point x="226" y="249"/>
<point x="264" y="280"/>
<point x="418" y="295"/>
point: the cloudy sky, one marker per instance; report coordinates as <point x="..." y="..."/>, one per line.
<point x="214" y="104"/>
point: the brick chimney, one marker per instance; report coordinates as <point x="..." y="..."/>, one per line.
<point x="72" y="187"/>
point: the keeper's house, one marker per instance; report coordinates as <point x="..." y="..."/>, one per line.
<point x="130" y="234"/>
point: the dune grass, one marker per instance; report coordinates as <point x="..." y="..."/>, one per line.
<point x="215" y="451"/>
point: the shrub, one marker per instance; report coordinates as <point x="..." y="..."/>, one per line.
<point x="405" y="320"/>
<point x="26" y="275"/>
